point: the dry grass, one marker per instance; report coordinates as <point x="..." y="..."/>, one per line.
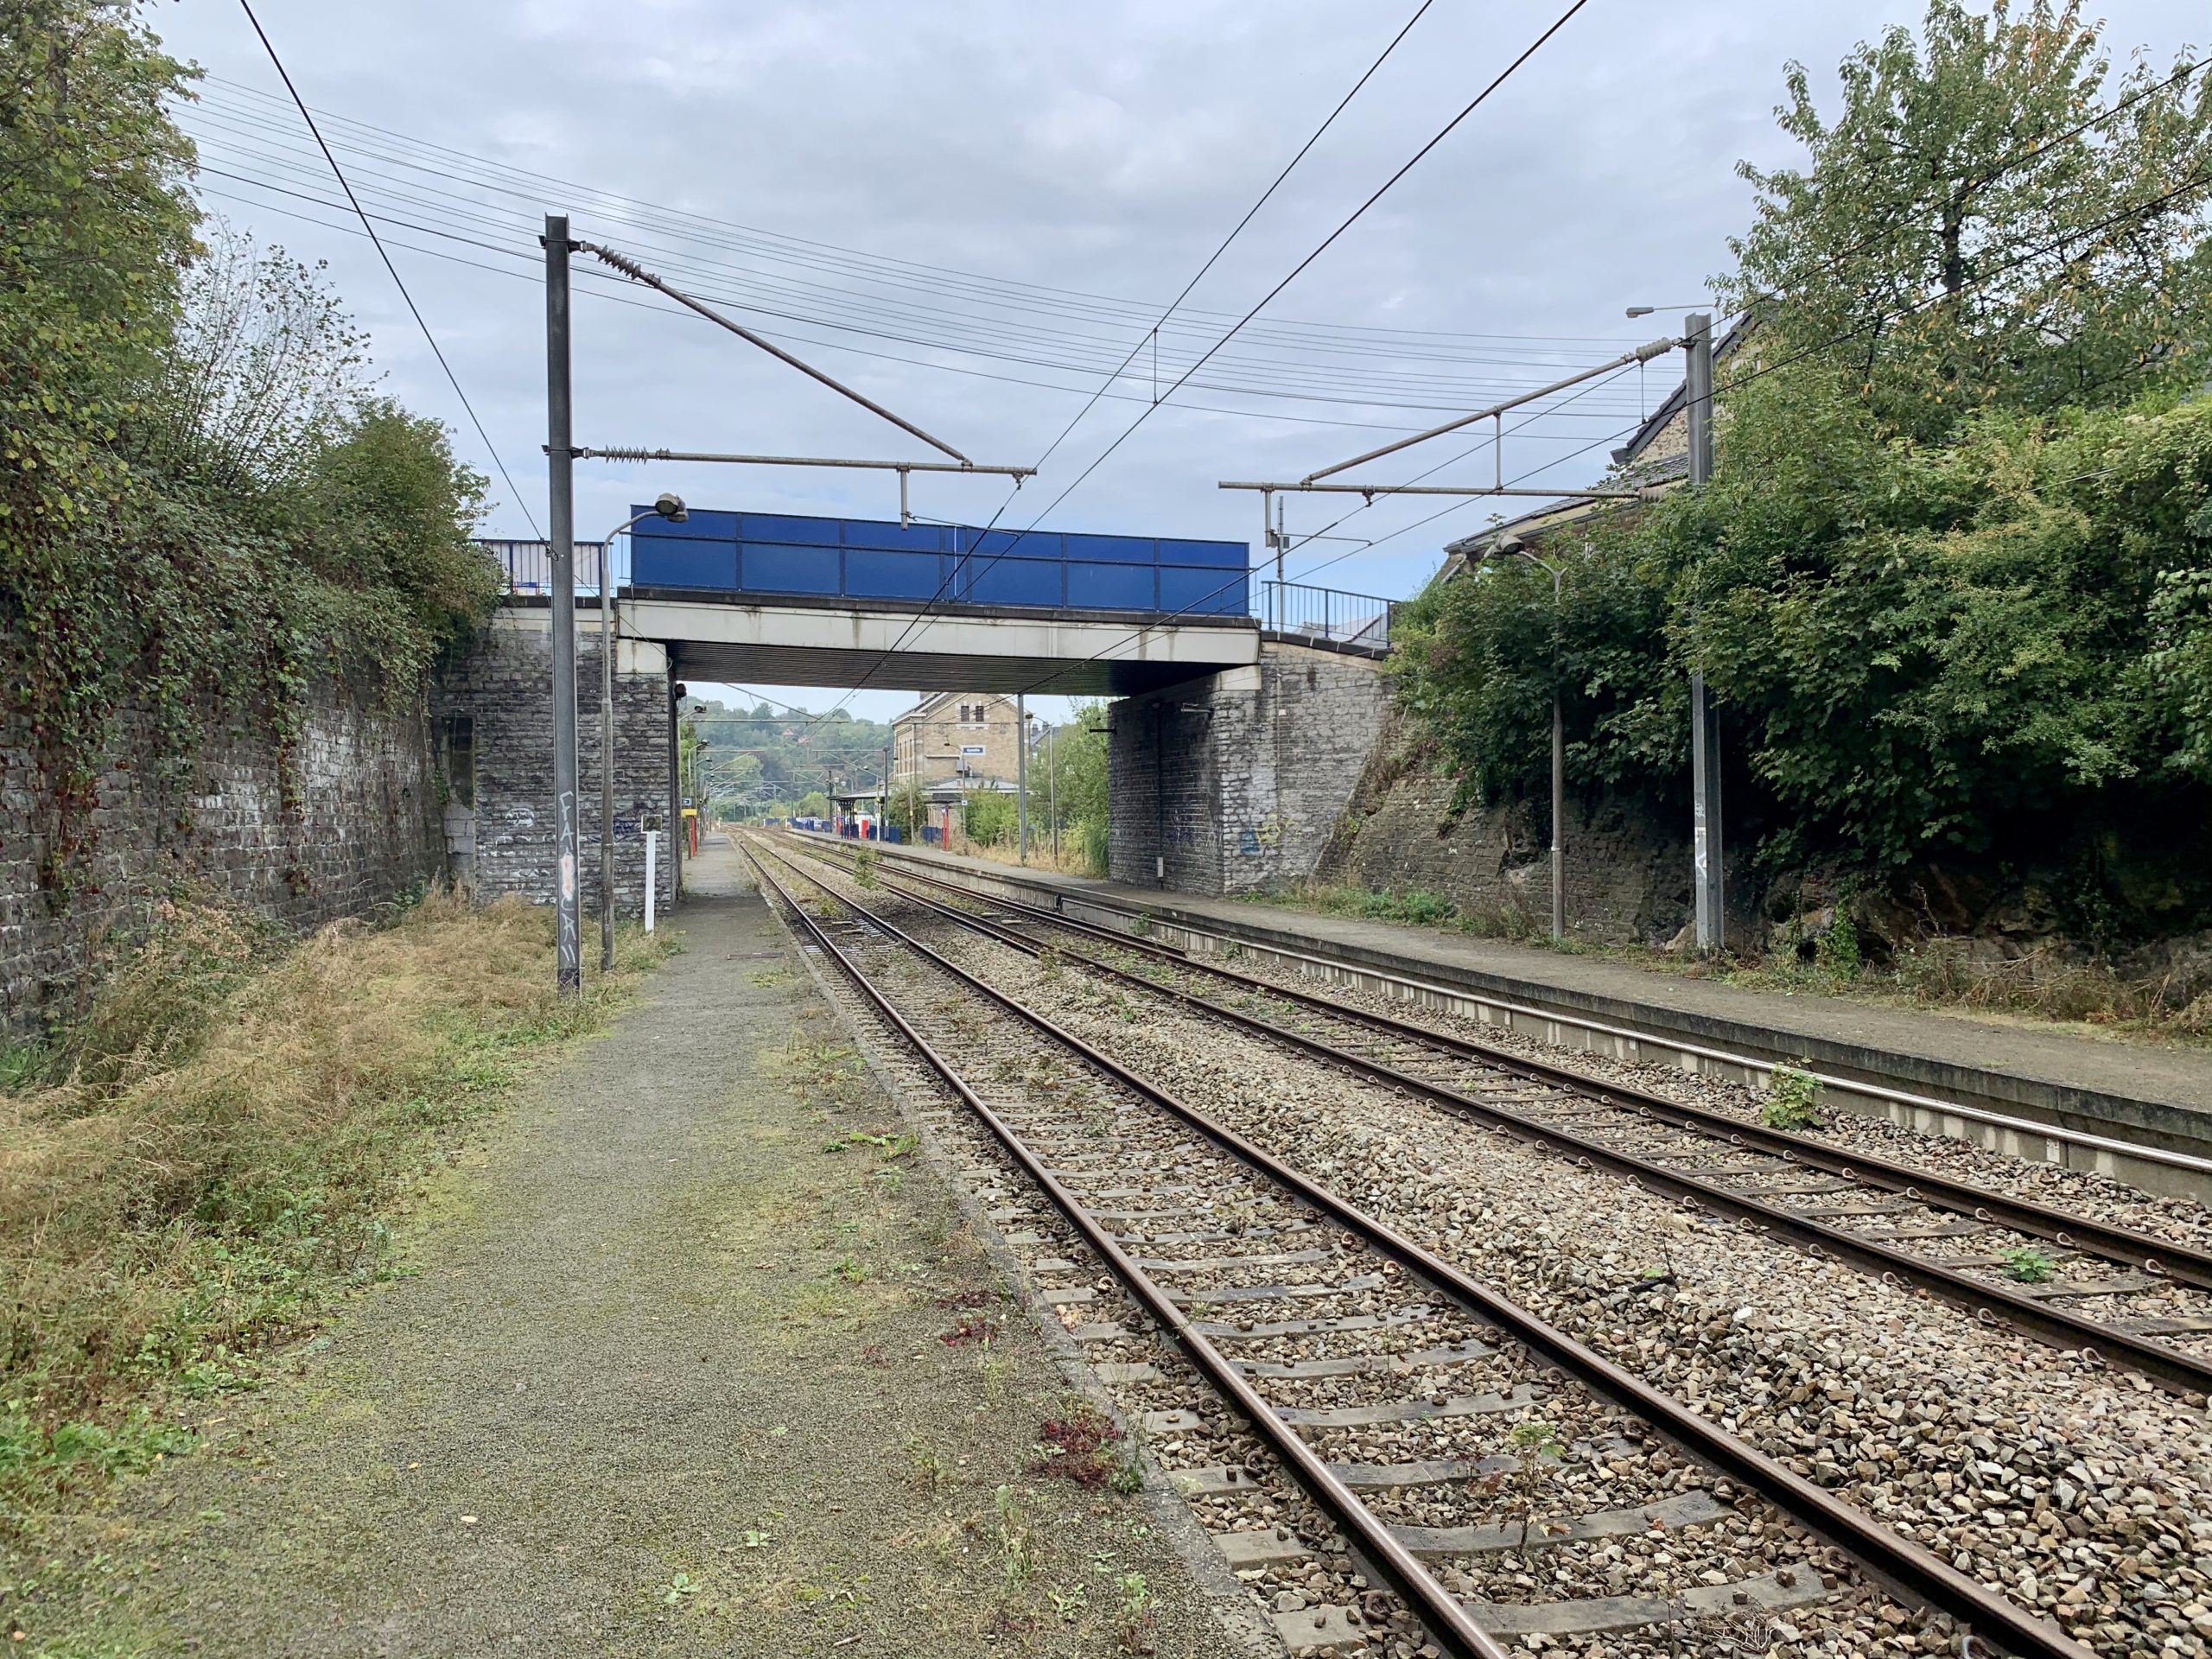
<point x="208" y="1156"/>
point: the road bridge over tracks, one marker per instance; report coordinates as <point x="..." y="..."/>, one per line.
<point x="1236" y="737"/>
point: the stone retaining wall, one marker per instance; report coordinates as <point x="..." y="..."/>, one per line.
<point x="361" y="827"/>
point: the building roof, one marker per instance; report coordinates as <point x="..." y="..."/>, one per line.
<point x="1633" y="464"/>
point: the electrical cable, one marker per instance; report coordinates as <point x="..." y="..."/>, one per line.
<point x="1349" y="395"/>
<point x="610" y="293"/>
<point x="1474" y="104"/>
<point x="931" y="278"/>
<point x="1235" y="230"/>
<point x="435" y="351"/>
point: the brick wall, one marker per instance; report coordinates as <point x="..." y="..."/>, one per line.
<point x="1238" y="780"/>
<point x="1628" y="875"/>
<point x="364" y="829"/>
<point x="503" y="687"/>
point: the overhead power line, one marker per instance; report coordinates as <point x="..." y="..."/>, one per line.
<point x="928" y="610"/>
<point x="1326" y="242"/>
<point x="1235" y="230"/>
<point x="529" y="187"/>
<point x="338" y="173"/>
<point x="603" y="291"/>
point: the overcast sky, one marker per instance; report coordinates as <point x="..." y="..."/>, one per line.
<point x="921" y="198"/>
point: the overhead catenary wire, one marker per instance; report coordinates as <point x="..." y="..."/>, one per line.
<point x="601" y="292"/>
<point x="1449" y="127"/>
<point x="1342" y="393"/>
<point x="531" y="190"/>
<point x="1375" y="375"/>
<point x="928" y="610"/>
<point x="338" y="173"/>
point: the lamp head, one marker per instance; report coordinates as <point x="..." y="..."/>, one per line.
<point x="671" y="507"/>
<point x="1641" y="310"/>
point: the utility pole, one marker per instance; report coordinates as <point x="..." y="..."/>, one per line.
<point x="1705" y="727"/>
<point x="606" y="758"/>
<point x="560" y="466"/>
<point x="1558" y="775"/>
<point x="1021" y="776"/>
<point x="1052" y="787"/>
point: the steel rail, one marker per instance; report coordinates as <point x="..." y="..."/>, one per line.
<point x="1437" y="1609"/>
<point x="2170" y="1367"/>
<point x="2056" y="1133"/>
<point x="2121" y="1245"/>
<point x="1923" y="1576"/>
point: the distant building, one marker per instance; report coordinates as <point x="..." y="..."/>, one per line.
<point x="953" y="742"/>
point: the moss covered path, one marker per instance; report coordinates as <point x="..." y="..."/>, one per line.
<point x="670" y="1378"/>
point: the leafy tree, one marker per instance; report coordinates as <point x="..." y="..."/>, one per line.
<point x="909" y="805"/>
<point x="1990" y="219"/>
<point x="1067" y="770"/>
<point x="813" y="804"/>
<point x="201" y="505"/>
<point x="1952" y="582"/>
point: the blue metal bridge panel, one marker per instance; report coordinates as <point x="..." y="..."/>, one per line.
<point x="796" y="555"/>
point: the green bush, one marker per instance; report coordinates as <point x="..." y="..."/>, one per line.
<point x="1951" y="585"/>
<point x="1090" y="843"/>
<point x="988" y="816"/>
<point x="203" y="504"/>
<point x="1792" y="1093"/>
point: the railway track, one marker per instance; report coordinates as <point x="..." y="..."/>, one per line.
<point x="1957" y="1240"/>
<point x="1346" y="1411"/>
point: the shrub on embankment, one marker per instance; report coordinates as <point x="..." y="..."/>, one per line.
<point x="1951" y="584"/>
<point x="197" y="1167"/>
<point x="204" y="505"/>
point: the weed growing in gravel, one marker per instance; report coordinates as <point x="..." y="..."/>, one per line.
<point x="1080" y="1445"/>
<point x="849" y="1269"/>
<point x="1791" y="1094"/>
<point x="679" y="1587"/>
<point x="1071" y="1605"/>
<point x="864" y="868"/>
<point x="1133" y="1613"/>
<point x="1532" y="1443"/>
<point x="2029" y="1265"/>
<point x="925" y="1467"/>
<point x="1141" y="926"/>
<point x="1016" y="1539"/>
<point x="892" y="1143"/>
<point x="1048" y="964"/>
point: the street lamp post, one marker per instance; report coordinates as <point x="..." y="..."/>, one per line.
<point x="1513" y="547"/>
<point x="670" y="507"/>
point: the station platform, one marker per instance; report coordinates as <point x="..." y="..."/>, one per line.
<point x="1933" y="1070"/>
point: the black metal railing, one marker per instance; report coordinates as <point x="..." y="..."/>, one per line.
<point x="1326" y="615"/>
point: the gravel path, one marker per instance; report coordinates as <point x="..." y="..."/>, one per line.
<point x="672" y="1379"/>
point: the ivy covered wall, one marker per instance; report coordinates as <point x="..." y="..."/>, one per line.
<point x="228" y="561"/>
<point x="345" y="817"/>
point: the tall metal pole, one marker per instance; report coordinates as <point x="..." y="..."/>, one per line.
<point x="1705" y="730"/>
<point x="1053" y="788"/>
<point x="1021" y="773"/>
<point x="1558" y="777"/>
<point x="560" y="466"/>
<point x="606" y="757"/>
